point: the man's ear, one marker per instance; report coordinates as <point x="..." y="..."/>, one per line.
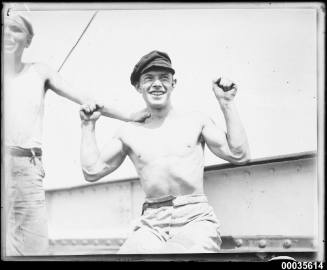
<point x="174" y="82"/>
<point x="28" y="41"/>
<point x="137" y="87"/>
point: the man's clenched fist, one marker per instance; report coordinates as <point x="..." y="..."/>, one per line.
<point x="90" y="112"/>
<point x="224" y="89"/>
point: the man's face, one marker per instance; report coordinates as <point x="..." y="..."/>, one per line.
<point x="15" y="37"/>
<point x="156" y="87"/>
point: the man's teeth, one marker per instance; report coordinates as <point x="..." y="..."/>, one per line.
<point x="157" y="93"/>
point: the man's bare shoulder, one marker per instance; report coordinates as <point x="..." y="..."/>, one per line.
<point x="126" y="128"/>
<point x="44" y="70"/>
<point x="197" y="116"/>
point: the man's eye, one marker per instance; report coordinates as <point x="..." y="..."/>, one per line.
<point x="164" y="79"/>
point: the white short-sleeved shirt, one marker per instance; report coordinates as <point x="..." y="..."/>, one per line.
<point x="24" y="108"/>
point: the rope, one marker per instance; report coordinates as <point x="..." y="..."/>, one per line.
<point x="71" y="50"/>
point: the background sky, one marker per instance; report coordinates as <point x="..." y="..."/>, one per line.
<point x="269" y="52"/>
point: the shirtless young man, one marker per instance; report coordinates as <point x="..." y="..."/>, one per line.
<point x="25" y="87"/>
<point x="168" y="153"/>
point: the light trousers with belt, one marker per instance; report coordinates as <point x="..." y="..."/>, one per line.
<point x="188" y="226"/>
<point x="25" y="207"/>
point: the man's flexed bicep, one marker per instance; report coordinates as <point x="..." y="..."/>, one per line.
<point x="217" y="141"/>
<point x="95" y="163"/>
<point x="108" y="160"/>
<point x="232" y="145"/>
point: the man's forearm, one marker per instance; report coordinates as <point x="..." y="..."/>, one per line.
<point x="112" y="111"/>
<point x="108" y="110"/>
<point x="62" y="88"/>
<point x="236" y="136"/>
<point x="89" y="153"/>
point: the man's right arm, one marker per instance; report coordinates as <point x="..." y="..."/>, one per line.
<point x="96" y="164"/>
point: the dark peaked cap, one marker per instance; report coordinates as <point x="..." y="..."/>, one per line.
<point x="150" y="60"/>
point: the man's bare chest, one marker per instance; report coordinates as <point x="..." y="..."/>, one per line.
<point x="177" y="139"/>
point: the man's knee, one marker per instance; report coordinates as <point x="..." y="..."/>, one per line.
<point x="140" y="241"/>
<point x="200" y="237"/>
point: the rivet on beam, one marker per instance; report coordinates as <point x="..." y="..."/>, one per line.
<point x="287" y="243"/>
<point x="63" y="242"/>
<point x="298" y="168"/>
<point x="95" y="242"/>
<point x="52" y="242"/>
<point x="262" y="243"/>
<point x="84" y="242"/>
<point x="108" y="242"/>
<point x="74" y="242"/>
<point x="247" y="173"/>
<point x="120" y="242"/>
<point x="239" y="242"/>
<point x="272" y="170"/>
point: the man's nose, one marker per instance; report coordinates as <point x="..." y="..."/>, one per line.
<point x="157" y="82"/>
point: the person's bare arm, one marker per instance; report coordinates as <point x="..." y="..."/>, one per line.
<point x="95" y="163"/>
<point x="55" y="82"/>
<point x="232" y="146"/>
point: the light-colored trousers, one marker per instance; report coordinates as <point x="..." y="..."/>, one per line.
<point x="189" y="226"/>
<point x="25" y="207"/>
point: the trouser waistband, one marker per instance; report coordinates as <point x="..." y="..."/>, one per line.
<point x="173" y="201"/>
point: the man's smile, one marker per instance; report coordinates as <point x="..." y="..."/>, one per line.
<point x="8" y="42"/>
<point x="157" y="92"/>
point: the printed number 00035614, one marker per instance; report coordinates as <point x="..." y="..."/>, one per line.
<point x="302" y="265"/>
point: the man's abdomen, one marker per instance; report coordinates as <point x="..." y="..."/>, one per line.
<point x="172" y="176"/>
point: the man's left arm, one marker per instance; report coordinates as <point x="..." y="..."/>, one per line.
<point x="55" y="82"/>
<point x="231" y="145"/>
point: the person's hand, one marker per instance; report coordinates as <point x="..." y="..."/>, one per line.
<point x="140" y="116"/>
<point x="224" y="89"/>
<point x="90" y="112"/>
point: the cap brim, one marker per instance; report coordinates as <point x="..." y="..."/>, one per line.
<point x="156" y="67"/>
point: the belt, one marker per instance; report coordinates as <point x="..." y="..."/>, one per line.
<point x="167" y="202"/>
<point x="24" y="152"/>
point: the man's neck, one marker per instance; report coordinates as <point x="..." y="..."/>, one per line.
<point x="13" y="64"/>
<point x="159" y="116"/>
